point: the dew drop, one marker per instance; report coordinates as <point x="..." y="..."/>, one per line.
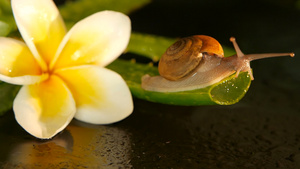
<point x="76" y="55"/>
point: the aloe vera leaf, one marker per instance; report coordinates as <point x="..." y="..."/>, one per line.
<point x="228" y="91"/>
<point x="150" y="46"/>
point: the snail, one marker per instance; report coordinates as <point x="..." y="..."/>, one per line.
<point x="197" y="62"/>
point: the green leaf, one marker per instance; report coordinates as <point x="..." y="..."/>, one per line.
<point x="5" y="7"/>
<point x="147" y="45"/>
<point x="7" y="22"/>
<point x="73" y="11"/>
<point x="7" y="95"/>
<point x="230" y="90"/>
<point x="4" y="28"/>
<point x="226" y="92"/>
<point x="7" y="25"/>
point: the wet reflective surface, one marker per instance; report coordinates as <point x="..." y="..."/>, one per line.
<point x="261" y="131"/>
<point x="79" y="146"/>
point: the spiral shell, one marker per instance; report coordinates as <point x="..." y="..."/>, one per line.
<point x="181" y="58"/>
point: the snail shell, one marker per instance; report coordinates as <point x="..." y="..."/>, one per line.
<point x="197" y="62"/>
<point x="181" y="58"/>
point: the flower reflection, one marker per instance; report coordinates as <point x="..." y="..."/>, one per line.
<point x="78" y="147"/>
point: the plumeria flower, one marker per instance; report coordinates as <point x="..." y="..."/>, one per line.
<point x="62" y="73"/>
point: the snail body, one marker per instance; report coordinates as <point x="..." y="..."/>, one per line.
<point x="196" y="62"/>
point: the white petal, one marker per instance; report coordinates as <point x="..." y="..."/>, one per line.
<point x="41" y="26"/>
<point x="101" y="95"/>
<point x="17" y="64"/>
<point x="44" y="109"/>
<point x="23" y="80"/>
<point x="98" y="39"/>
